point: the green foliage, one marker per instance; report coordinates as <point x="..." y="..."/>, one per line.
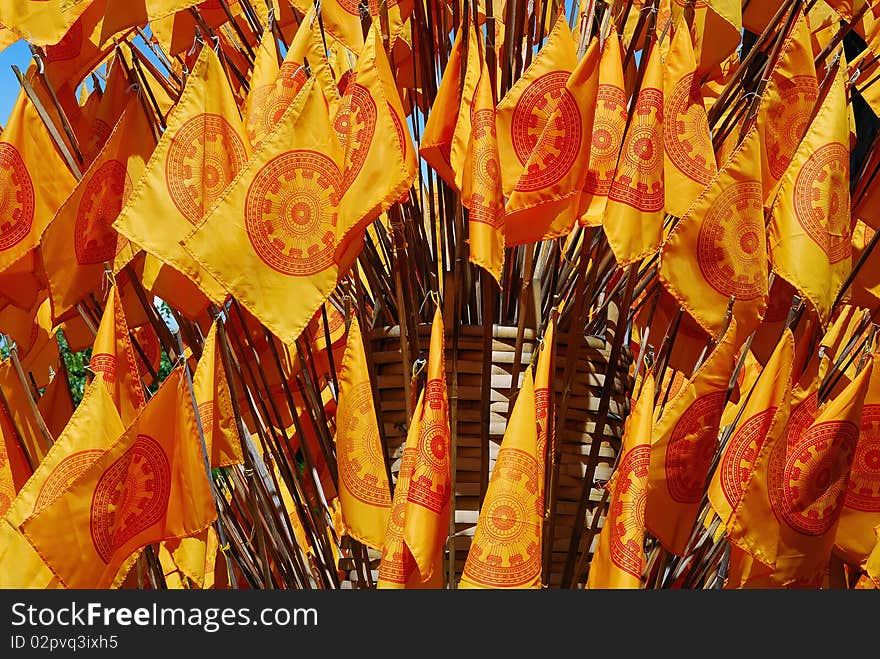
<point x="76" y="363"/>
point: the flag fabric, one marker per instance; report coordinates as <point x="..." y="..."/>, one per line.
<point x="717" y="251"/>
<point x="150" y="485"/>
<point x="56" y="404"/>
<point x="619" y="559"/>
<point x="363" y="482"/>
<point x="506" y="548"/>
<point x="259" y="110"/>
<point x="15" y="465"/>
<point x="18" y="414"/>
<point x="426" y="524"/>
<point x="683" y="444"/>
<point x="202" y="150"/>
<point x="341" y="19"/>
<point x="809" y="230"/>
<point x="634" y="212"/>
<point x="716" y="29"/>
<point x="96" y="127"/>
<point x="40" y="22"/>
<point x="687" y="141"/>
<point x="544" y="376"/>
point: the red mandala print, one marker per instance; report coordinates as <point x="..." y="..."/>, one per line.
<point x="627" y="513"/>
<point x="204" y="157"/>
<point x="359" y="450"/>
<point x="397" y="562"/>
<point x="608" y="126"/>
<point x="636" y="183"/>
<point x="507" y="554"/>
<point x="686" y="131"/>
<point x="558" y="150"/>
<point x="821" y="200"/>
<point x="272" y="100"/>
<point x="800" y="419"/>
<point x="741" y="453"/>
<point x="811" y="487"/>
<point x="100" y="133"/>
<point x="16" y="197"/>
<point x="485" y="171"/>
<point x="401" y="133"/>
<point x="206" y="414"/>
<point x="69" y="47"/>
<point x="355" y="126"/>
<point x="63" y="476"/>
<point x="434" y="446"/>
<point x="542" y="413"/>
<point x="787" y="120"/>
<point x="435" y="394"/>
<point x="692" y="447"/>
<point x="105" y="364"/>
<point x="863" y="491"/>
<point x="94" y="239"/>
<point x="731" y="249"/>
<point x="131" y="495"/>
<point x="291" y="212"/>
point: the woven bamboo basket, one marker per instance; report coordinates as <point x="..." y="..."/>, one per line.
<point x="574" y="437"/>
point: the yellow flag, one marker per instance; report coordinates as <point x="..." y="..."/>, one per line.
<point x="865" y="288"/>
<point x="683" y="446"/>
<point x="94" y="426"/>
<point x="717" y="251"/>
<point x="96" y="127"/>
<point x="506" y="548"/>
<point x="341" y="18"/>
<point x="526" y="108"/>
<point x="56" y="404"/>
<point x="201" y="151"/>
<point x="426" y="524"/>
<point x="634" y="213"/>
<point x="85" y="219"/>
<point x="809" y="229"/>
<point x="363" y="482"/>
<point x="716" y="28"/>
<point x="690" y="160"/>
<point x="619" y="559"/>
<point x="544" y="375"/>
<point x="42" y="22"/>
<point x="763" y="415"/>
<point x="20" y="417"/>
<point x="271" y="238"/>
<point x="148" y="486"/>
<point x="195" y="556"/>
<point x="260" y="107"/>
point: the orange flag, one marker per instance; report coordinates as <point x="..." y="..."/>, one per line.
<point x="690" y="160"/>
<point x="609" y="123"/>
<point x="149" y="486"/>
<point x="426" y="526"/>
<point x="56" y="404"/>
<point x="683" y="446"/>
<point x="809" y="229"/>
<point x="341" y="18"/>
<point x="200" y="153"/>
<point x="763" y="417"/>
<point x="15" y="468"/>
<point x="619" y="559"/>
<point x="260" y="109"/>
<point x="363" y="482"/>
<point x="634" y="213"/>
<point x="545" y="201"/>
<point x="113" y="356"/>
<point x="544" y="375"/>
<point x="717" y="250"/>
<point x="40" y="22"/>
<point x="97" y="127"/>
<point x="525" y="110"/>
<point x="506" y="548"/>
<point x="716" y="28"/>
<point x="85" y="219"/>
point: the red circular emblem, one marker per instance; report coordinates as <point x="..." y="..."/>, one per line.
<point x="608" y="125"/>
<point x="559" y="149"/>
<point x="291" y="212"/>
<point x="69" y="47"/>
<point x="355" y="126"/>
<point x="94" y="239"/>
<point x="63" y="476"/>
<point x="131" y="495"/>
<point x="105" y="364"/>
<point x="507" y="551"/>
<point x="397" y="561"/>
<point x="16" y="197"/>
<point x="627" y="512"/>
<point x="542" y="413"/>
<point x="359" y="450"/>
<point x="863" y="490"/>
<point x="801" y="418"/>
<point x="787" y="120"/>
<point x="686" y="131"/>
<point x="692" y="447"/>
<point x="270" y="101"/>
<point x="821" y="200"/>
<point x="204" y="157"/>
<point x="741" y="453"/>
<point x="636" y="183"/>
<point x="731" y="248"/>
<point x="485" y="170"/>
<point x="206" y="415"/>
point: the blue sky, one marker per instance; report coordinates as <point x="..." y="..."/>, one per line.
<point x="18" y="54"/>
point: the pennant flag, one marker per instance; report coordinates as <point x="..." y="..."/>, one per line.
<point x="148" y="486"/>
<point x="525" y="110"/>
<point x="716" y="28"/>
<point x="15" y="467"/>
<point x="201" y="151"/>
<point x="17" y="415"/>
<point x="544" y="374"/>
<point x="634" y="213"/>
<point x="683" y="446"/>
<point x="717" y="250"/>
<point x="363" y="482"/>
<point x="619" y="559"/>
<point x="96" y="127"/>
<point x="689" y="156"/>
<point x="763" y="414"/>
<point x="260" y="109"/>
<point x="809" y="229"/>
<point x="609" y="124"/>
<point x="56" y="404"/>
<point x="40" y="22"/>
<point x="545" y="201"/>
<point x="341" y="19"/>
<point x="426" y="524"/>
<point x="506" y="548"/>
